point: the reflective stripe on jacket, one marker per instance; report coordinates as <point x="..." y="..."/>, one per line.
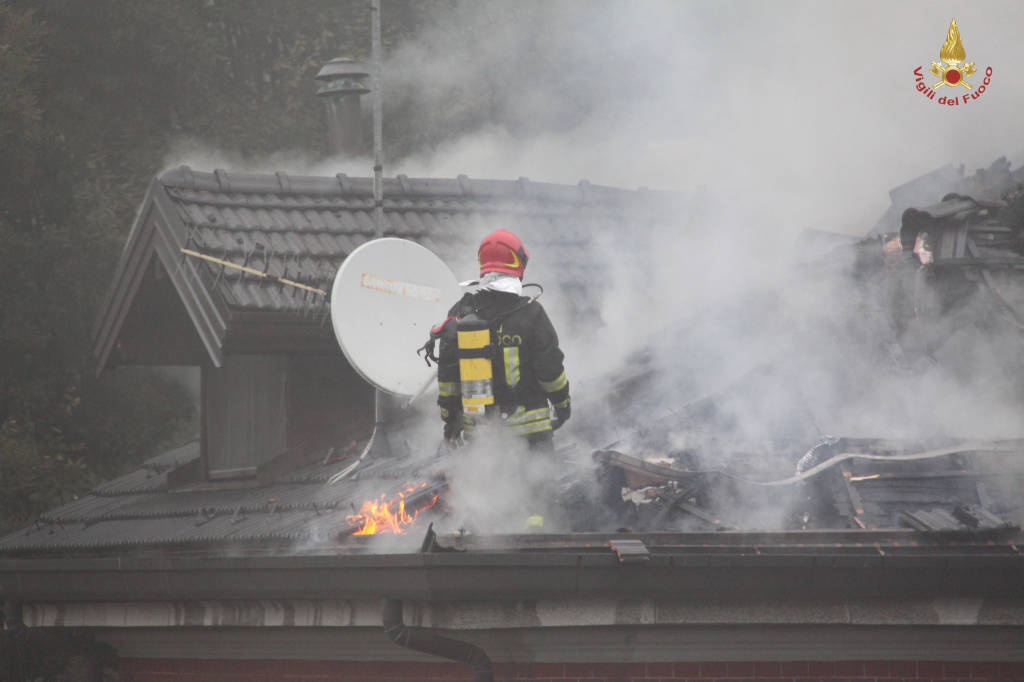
<point x="527" y="362"/>
<point x="522" y="422"/>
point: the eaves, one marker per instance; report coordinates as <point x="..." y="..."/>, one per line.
<point x="518" y="575"/>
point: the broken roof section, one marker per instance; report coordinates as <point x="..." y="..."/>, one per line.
<point x="948" y="496"/>
<point x="301" y="228"/>
<point x="715" y="443"/>
<point x="928" y="189"/>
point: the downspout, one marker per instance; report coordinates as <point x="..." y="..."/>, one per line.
<point x="426" y="641"/>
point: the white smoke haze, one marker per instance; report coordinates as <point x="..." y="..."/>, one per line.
<point x="785" y="116"/>
<point x="195" y="153"/>
<point x="496" y="485"/>
<point x="801" y="108"/>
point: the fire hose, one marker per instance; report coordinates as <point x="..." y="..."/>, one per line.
<point x="638" y="465"/>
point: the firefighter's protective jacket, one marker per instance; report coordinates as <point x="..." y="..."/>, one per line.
<point x="526" y="359"/>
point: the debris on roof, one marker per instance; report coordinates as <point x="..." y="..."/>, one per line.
<point x="677" y="454"/>
<point x="985" y="184"/>
<point x="962" y="520"/>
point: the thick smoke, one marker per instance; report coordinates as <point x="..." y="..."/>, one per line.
<point x="802" y="111"/>
<point x="783" y="117"/>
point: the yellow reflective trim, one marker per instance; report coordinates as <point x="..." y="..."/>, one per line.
<point x="475" y="369"/>
<point x="485" y="400"/>
<point x="517" y="428"/>
<point x="537" y="427"/>
<point x="480" y="338"/>
<point x="511" y="354"/>
<point x="535" y="419"/>
<point x="447" y="388"/>
<point x="556" y="384"/>
<point x="528" y="417"/>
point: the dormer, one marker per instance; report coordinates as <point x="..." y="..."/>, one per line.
<point x="230" y="274"/>
<point x="200" y="284"/>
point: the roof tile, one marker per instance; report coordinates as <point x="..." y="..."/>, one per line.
<point x="303" y="227"/>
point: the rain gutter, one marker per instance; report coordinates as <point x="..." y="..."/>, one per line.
<point x="887" y="568"/>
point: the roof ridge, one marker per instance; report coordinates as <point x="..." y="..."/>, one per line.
<point x="462" y="186"/>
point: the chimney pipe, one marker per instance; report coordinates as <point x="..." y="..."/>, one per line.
<point x="342" y="84"/>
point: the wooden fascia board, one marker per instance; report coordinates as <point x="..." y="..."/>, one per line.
<point x="209" y="315"/>
<point x="125" y="284"/>
<point x="459" y="576"/>
<point x="277" y="331"/>
<point x="601" y="648"/>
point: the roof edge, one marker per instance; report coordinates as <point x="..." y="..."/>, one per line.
<point x="222" y="181"/>
<point x="123" y="285"/>
<point x="157" y="232"/>
<point x="511" y="575"/>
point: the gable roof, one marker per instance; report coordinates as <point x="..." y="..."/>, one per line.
<point x="301" y="228"/>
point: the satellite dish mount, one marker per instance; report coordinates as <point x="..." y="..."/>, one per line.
<point x="387" y="295"/>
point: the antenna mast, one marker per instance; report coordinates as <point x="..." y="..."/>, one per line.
<point x="378" y="124"/>
<point x="378" y="219"/>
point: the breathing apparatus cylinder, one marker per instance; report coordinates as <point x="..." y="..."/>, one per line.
<point x="475" y="368"/>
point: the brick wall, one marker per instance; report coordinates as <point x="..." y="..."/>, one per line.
<point x="195" y="670"/>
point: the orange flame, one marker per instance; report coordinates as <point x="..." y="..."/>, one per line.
<point x="388" y="516"/>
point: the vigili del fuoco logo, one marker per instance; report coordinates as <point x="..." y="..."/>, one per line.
<point x="953" y="72"/>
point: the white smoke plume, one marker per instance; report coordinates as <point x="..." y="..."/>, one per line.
<point x="804" y="111"/>
<point x="788" y="116"/>
<point x="796" y="115"/>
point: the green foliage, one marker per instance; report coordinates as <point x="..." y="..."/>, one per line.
<point x="38" y="471"/>
<point x="92" y="96"/>
<point x="157" y="409"/>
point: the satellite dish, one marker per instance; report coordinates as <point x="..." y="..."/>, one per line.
<point x="387" y="295"/>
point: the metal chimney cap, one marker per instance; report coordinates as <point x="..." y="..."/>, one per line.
<point x="342" y="67"/>
<point x="339" y="87"/>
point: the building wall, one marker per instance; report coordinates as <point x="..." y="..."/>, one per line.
<point x="196" y="670"/>
<point x="245" y="410"/>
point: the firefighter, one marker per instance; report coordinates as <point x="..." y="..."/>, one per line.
<point x="499" y="359"/>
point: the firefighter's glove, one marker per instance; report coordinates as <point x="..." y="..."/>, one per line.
<point x="453" y="432"/>
<point x="562" y="413"/>
<point x="452" y="426"/>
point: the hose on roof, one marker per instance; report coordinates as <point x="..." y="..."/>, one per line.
<point x="638" y="465"/>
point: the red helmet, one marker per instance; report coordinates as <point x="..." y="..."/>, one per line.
<point x="502" y="251"/>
